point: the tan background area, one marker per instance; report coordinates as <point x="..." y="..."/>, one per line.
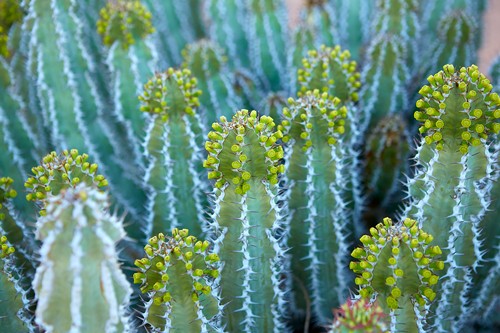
<point x="491" y="32"/>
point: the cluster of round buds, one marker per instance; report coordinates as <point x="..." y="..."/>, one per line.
<point x="58" y="172"/>
<point x="5" y="248"/>
<point x="458" y="106"/>
<point x="170" y="92"/>
<point x="10" y="12"/>
<point x="359" y="316"/>
<point x="329" y="67"/>
<point x="244" y="149"/>
<point x="170" y="261"/>
<point x="314" y="111"/>
<point x="6" y="193"/>
<point x="396" y="260"/>
<point x="122" y="21"/>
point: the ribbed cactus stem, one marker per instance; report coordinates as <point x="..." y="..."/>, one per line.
<point x="178" y="275"/>
<point x="126" y="28"/>
<point x="60" y="172"/>
<point x="450" y="192"/>
<point x="359" y="316"/>
<point x="495" y="73"/>
<point x="79" y="284"/>
<point x="320" y="219"/>
<point x="247" y="221"/>
<point x="11" y="295"/>
<point x="208" y="65"/>
<point x="397" y="265"/>
<point x="174" y="173"/>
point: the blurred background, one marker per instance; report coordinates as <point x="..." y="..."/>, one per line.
<point x="491" y="33"/>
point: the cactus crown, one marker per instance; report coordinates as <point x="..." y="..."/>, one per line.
<point x="397" y="261"/>
<point x="231" y="143"/>
<point x="124" y="21"/>
<point x="458" y="108"/>
<point x="10" y="12"/>
<point x="313" y="112"/>
<point x="171" y="93"/>
<point x="330" y="67"/>
<point x="6" y="192"/>
<point x="359" y="316"/>
<point x="458" y="27"/>
<point x="58" y="172"/>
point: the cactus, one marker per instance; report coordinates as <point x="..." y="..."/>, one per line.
<point x="450" y="190"/>
<point x="320" y="219"/>
<point x="397" y="265"/>
<point x="178" y="274"/>
<point x="78" y="289"/>
<point x="358" y="317"/>
<point x="247" y="221"/>
<point x="495" y="74"/>
<point x="10" y="12"/>
<point x="173" y="153"/>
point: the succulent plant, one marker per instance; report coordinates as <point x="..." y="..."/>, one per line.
<point x="359" y="316"/>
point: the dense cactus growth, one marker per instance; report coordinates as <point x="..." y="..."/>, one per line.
<point x="178" y="274"/>
<point x="80" y="287"/>
<point x="176" y="193"/>
<point x="281" y="195"/>
<point x="247" y="221"/>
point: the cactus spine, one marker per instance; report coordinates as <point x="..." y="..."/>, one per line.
<point x="319" y="216"/>
<point x="77" y="288"/>
<point x="178" y="274"/>
<point x="451" y="189"/>
<point x="173" y="153"/>
<point x="247" y="221"/>
<point x="397" y="266"/>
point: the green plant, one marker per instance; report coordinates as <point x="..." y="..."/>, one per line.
<point x="282" y="202"/>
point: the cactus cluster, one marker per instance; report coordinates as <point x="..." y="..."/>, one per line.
<point x="130" y="122"/>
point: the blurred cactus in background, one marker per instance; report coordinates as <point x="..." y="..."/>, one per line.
<point x="105" y="111"/>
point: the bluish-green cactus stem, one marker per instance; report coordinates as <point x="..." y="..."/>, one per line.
<point x="397" y="265"/>
<point x="173" y="152"/>
<point x="319" y="218"/>
<point x="247" y="222"/>
<point x="11" y="300"/>
<point x="385" y="78"/>
<point x="178" y="275"/>
<point x="79" y="283"/>
<point x="359" y="316"/>
<point x="495" y="73"/>
<point x="450" y="192"/>
<point x="208" y="65"/>
<point x="131" y="59"/>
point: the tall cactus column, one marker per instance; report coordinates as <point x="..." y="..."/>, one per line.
<point x="79" y="285"/>
<point x="176" y="186"/>
<point x="247" y="221"/>
<point x="450" y="193"/>
<point x="320" y="218"/>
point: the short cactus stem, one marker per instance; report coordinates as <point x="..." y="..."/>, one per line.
<point x="320" y="222"/>
<point x="173" y="153"/>
<point x="386" y="154"/>
<point x="451" y="190"/>
<point x="178" y="275"/>
<point x="60" y="172"/>
<point x="12" y="296"/>
<point x="397" y="265"/>
<point x="208" y="65"/>
<point x="247" y="222"/>
<point x="78" y="289"/>
<point x="359" y="316"/>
